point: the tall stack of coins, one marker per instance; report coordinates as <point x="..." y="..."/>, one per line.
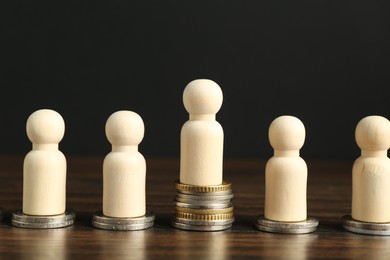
<point x="203" y="208"/>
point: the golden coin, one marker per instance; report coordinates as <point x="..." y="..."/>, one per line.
<point x="225" y="186"/>
<point x="204" y="216"/>
<point x="205" y="211"/>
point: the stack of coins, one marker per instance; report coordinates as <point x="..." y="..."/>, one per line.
<point x="203" y="208"/>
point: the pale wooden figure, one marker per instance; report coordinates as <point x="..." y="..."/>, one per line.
<point x="201" y="146"/>
<point x="371" y="171"/>
<point x="44" y="169"/>
<point x="124" y="169"/>
<point x="286" y="172"/>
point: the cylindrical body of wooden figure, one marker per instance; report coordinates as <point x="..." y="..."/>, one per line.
<point x="201" y="153"/>
<point x="371" y="189"/>
<point x="124" y="176"/>
<point x="44" y="183"/>
<point x="285" y="189"/>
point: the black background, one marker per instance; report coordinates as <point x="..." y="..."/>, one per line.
<point x="326" y="62"/>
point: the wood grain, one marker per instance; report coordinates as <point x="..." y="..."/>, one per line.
<point x="329" y="198"/>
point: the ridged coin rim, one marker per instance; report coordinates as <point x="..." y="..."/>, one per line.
<point x="123" y="227"/>
<point x="225" y="186"/>
<point x="204" y="222"/>
<point x="98" y="217"/>
<point x="366" y="228"/>
<point x="300" y="227"/>
<point x="204" y="211"/>
<point x="203" y="206"/>
<point x="200" y="228"/>
<point x="205" y="198"/>
<point x="224" y="216"/>
<point x="19" y="219"/>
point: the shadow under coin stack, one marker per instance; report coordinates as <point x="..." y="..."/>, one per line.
<point x="203" y="208"/>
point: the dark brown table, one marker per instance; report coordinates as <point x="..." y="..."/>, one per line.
<point x="329" y="198"/>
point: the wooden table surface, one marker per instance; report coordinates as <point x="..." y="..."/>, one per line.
<point x="329" y="198"/>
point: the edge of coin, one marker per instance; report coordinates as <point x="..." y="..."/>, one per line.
<point x="43" y="222"/>
<point x="225" y="186"/>
<point x="121" y="227"/>
<point x="365" y="228"/>
<point x="123" y="224"/>
<point x="200" y="228"/>
<point x="100" y="218"/>
<point x="208" y="217"/>
<point x="300" y="227"/>
<point x="203" y="206"/>
<point x="204" y="222"/>
<point x="205" y="211"/>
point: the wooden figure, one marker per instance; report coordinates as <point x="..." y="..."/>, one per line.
<point x="44" y="171"/>
<point x="201" y="151"/>
<point x="286" y="172"/>
<point x="124" y="169"/>
<point x="371" y="171"/>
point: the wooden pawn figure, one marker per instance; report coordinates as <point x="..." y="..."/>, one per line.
<point x="201" y="151"/>
<point x="286" y="172"/>
<point x="371" y="171"/>
<point x="124" y="169"/>
<point x="44" y="170"/>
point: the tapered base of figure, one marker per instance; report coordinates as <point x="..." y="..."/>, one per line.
<point x="300" y="227"/>
<point x="125" y="224"/>
<point x="366" y="228"/>
<point x="43" y="222"/>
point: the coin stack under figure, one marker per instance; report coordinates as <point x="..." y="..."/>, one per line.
<point x="203" y="201"/>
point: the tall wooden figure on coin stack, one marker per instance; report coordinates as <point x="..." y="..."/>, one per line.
<point x="371" y="179"/>
<point x="124" y="176"/>
<point x="203" y="201"/>
<point x="44" y="175"/>
<point x="286" y="180"/>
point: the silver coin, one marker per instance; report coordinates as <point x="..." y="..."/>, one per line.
<point x="200" y="228"/>
<point x="111" y="223"/>
<point x="204" y="222"/>
<point x="205" y="198"/>
<point x="148" y="217"/>
<point x="204" y="206"/>
<point x="33" y="221"/>
<point x="215" y="193"/>
<point x="300" y="227"/>
<point x="128" y="227"/>
<point x="202" y="202"/>
<point x="366" y="228"/>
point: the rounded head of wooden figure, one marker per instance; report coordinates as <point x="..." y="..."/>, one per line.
<point x="287" y="133"/>
<point x="373" y="133"/>
<point x="202" y="96"/>
<point x="45" y="126"/>
<point x="125" y="128"/>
